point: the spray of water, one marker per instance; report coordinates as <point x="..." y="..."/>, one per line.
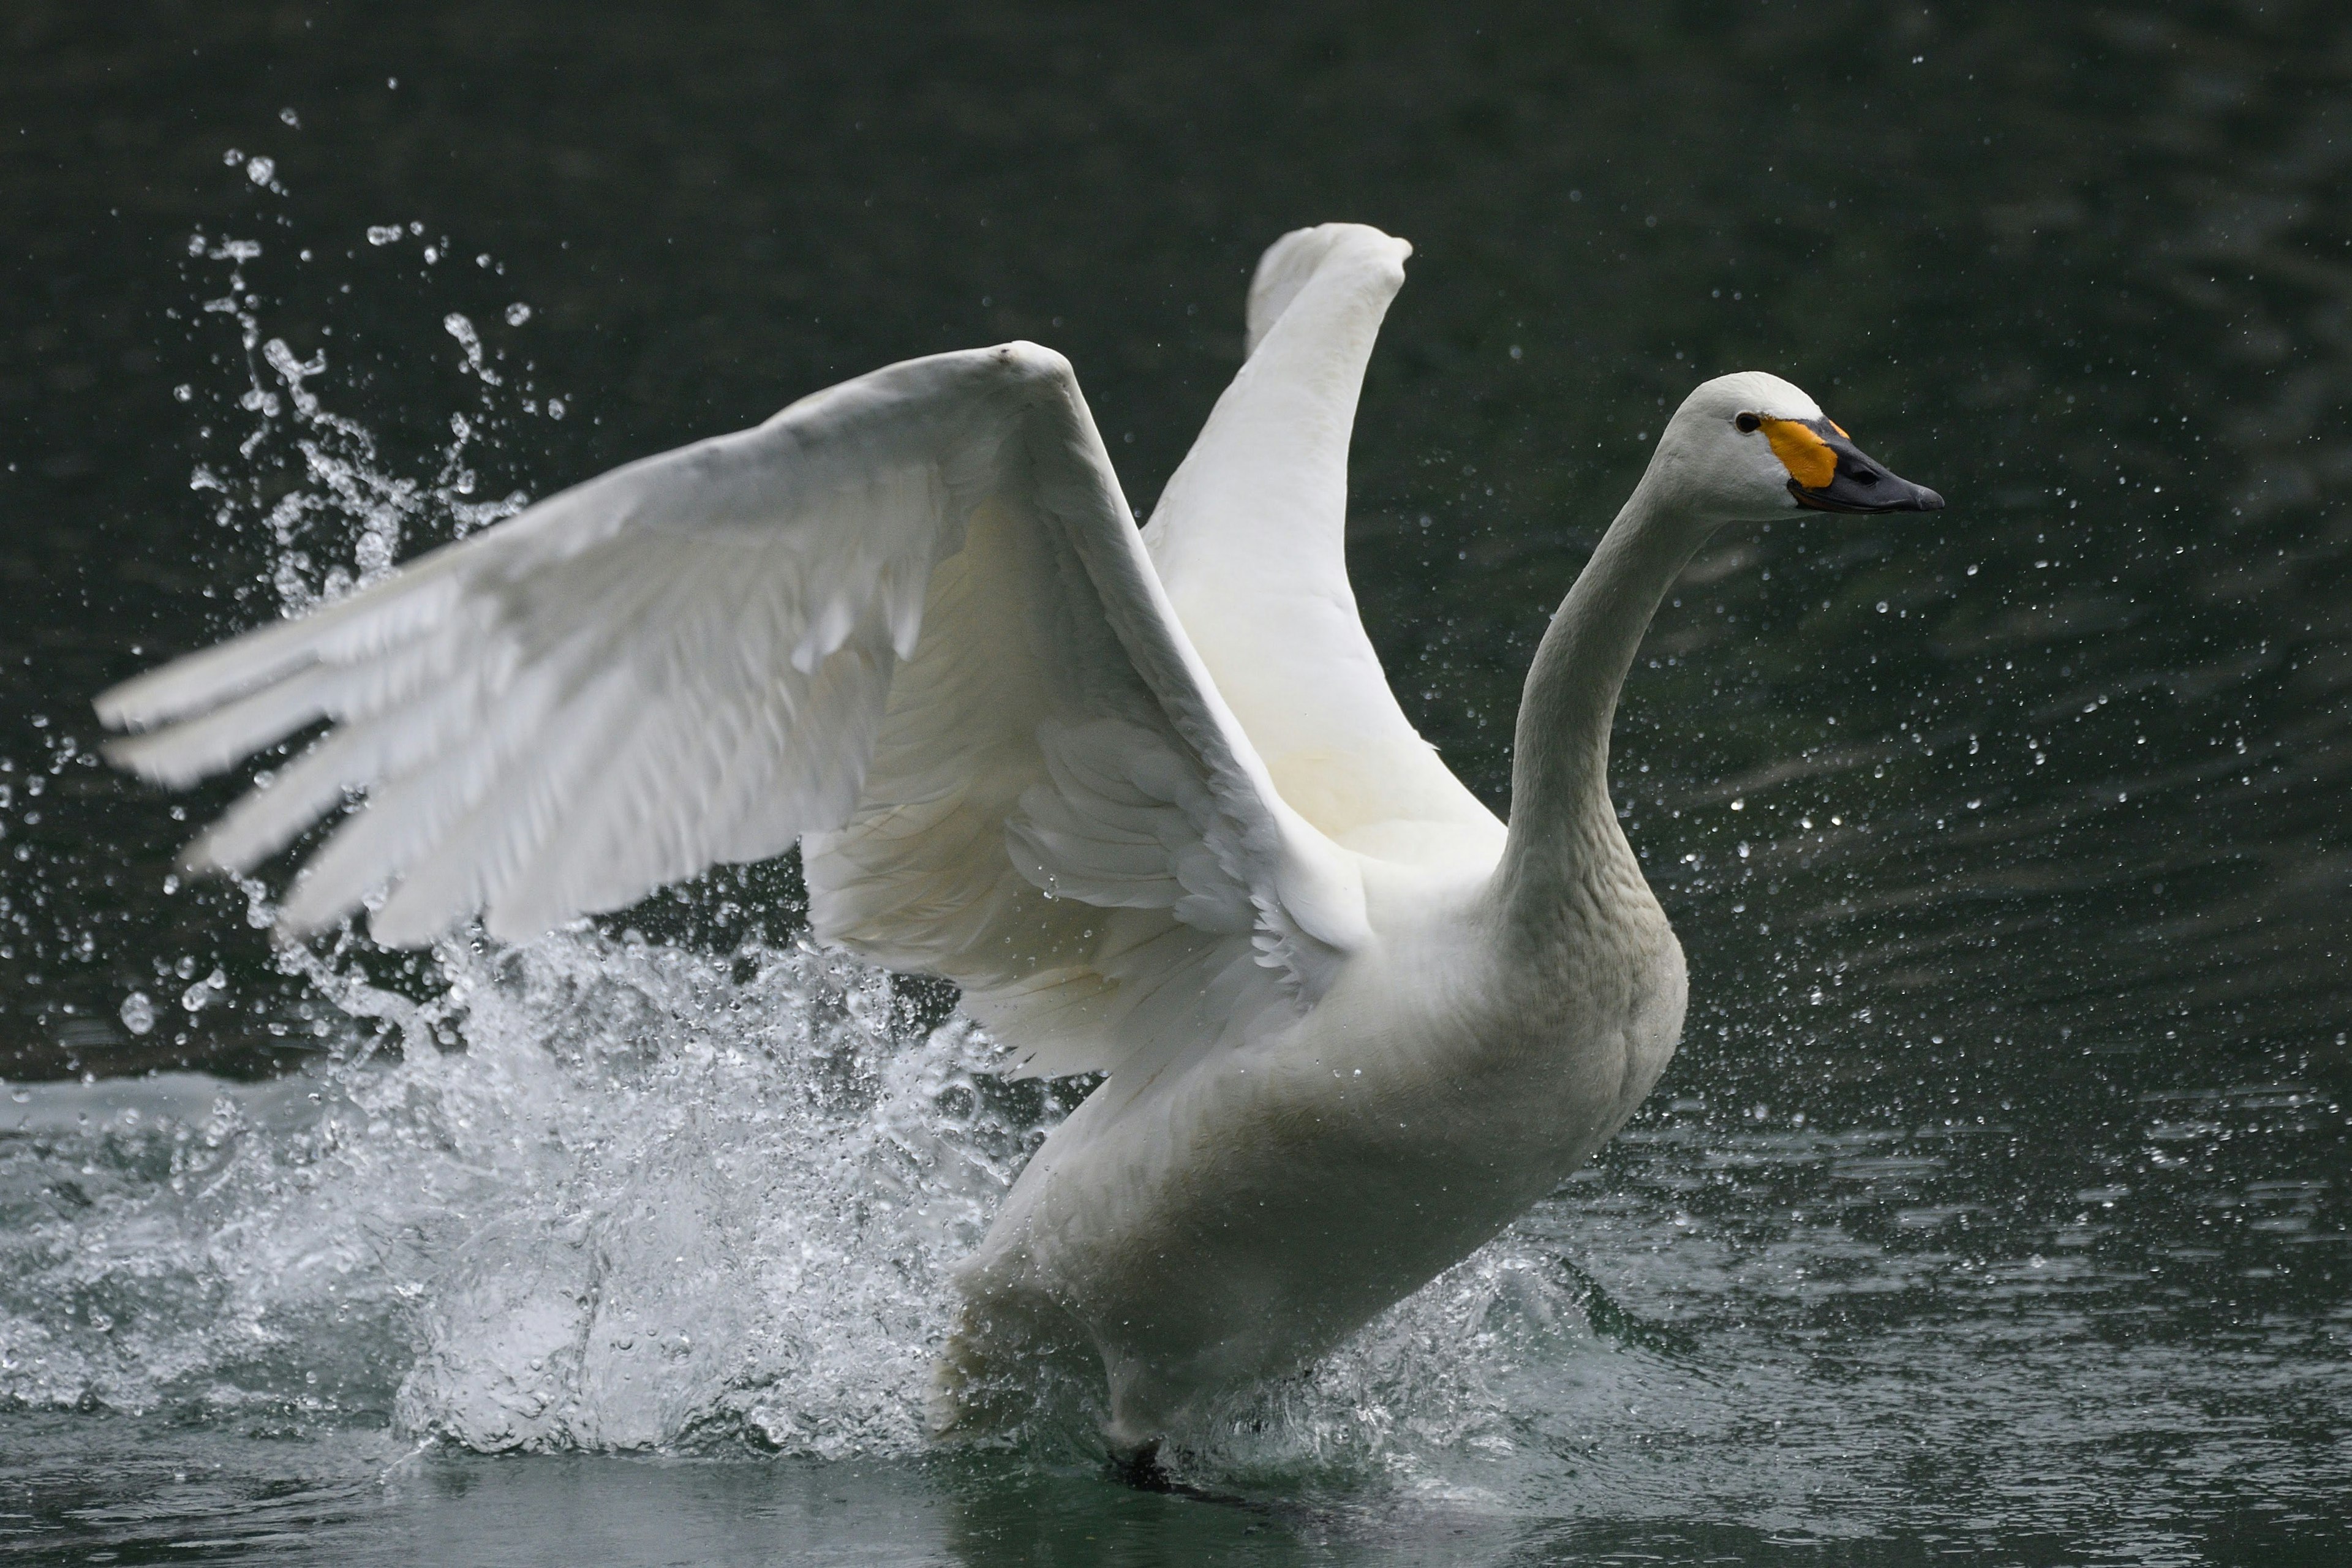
<point x="653" y="1200"/>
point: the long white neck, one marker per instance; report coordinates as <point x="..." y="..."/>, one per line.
<point x="1565" y="845"/>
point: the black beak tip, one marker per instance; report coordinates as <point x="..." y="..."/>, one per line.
<point x="1928" y="501"/>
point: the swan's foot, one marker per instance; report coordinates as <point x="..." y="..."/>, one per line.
<point x="1135" y="1434"/>
<point x="1140" y="1466"/>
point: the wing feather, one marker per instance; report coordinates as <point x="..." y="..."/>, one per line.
<point x="1250" y="540"/>
<point x="907" y="620"/>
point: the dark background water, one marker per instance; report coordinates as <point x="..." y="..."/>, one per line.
<point x="2021" y="830"/>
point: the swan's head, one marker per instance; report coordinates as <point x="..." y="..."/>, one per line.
<point x="1750" y="448"/>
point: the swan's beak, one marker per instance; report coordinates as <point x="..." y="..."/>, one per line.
<point x="1827" y="472"/>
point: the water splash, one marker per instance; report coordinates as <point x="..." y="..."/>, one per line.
<point x="659" y="1199"/>
<point x="337" y="512"/>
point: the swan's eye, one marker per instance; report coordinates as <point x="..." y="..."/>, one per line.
<point x="1748" y="424"/>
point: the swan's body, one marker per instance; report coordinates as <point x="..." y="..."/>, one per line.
<point x="1148" y="798"/>
<point x="1210" y="1228"/>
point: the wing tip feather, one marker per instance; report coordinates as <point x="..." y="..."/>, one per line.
<point x="1296" y="260"/>
<point x="143" y="757"/>
<point x="195" y="682"/>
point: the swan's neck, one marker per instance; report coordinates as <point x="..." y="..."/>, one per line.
<point x="1565" y="848"/>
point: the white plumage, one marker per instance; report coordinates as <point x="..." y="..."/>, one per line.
<point x="1146" y="797"/>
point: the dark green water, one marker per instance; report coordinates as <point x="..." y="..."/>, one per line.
<point x="1996" y="1204"/>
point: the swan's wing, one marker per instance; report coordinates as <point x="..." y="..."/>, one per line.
<point x="1250" y="538"/>
<point x="909" y="617"/>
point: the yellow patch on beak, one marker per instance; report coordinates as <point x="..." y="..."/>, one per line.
<point x="1804" y="454"/>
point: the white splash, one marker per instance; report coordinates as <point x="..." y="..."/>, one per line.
<point x="659" y="1199"/>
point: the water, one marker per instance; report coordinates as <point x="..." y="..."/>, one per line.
<point x="1997" y="1204"/>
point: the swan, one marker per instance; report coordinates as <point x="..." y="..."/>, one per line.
<point x="1145" y="797"/>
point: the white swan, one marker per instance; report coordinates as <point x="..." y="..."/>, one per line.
<point x="1145" y="796"/>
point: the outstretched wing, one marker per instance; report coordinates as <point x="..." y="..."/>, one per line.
<point x="907" y="617"/>
<point x="1250" y="538"/>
